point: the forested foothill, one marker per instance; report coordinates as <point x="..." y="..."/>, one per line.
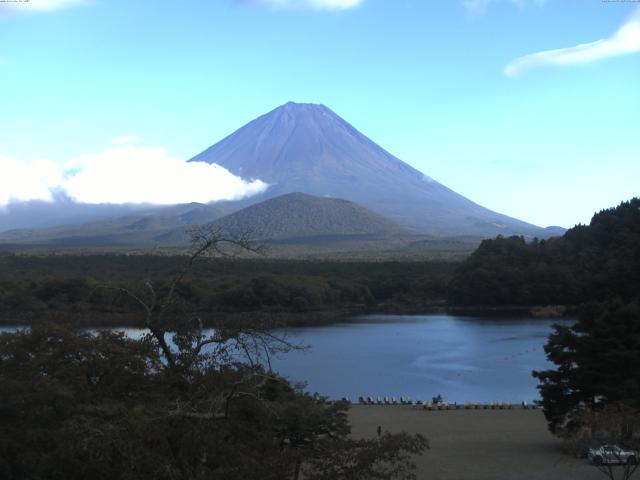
<point x="588" y="263"/>
<point x="289" y="291"/>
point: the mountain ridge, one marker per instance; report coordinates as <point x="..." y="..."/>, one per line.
<point x="293" y="226"/>
<point x="294" y="215"/>
<point x="136" y="228"/>
<point x="308" y="148"/>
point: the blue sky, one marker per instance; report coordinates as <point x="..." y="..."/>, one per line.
<point x="528" y="107"/>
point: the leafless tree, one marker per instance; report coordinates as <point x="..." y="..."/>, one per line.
<point x="614" y="425"/>
<point x="182" y="339"/>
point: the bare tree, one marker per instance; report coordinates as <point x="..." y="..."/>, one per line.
<point x="165" y="314"/>
<point x="616" y="428"/>
<point x="223" y="375"/>
<point x="181" y="337"/>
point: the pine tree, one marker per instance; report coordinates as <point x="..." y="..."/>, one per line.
<point x="597" y="363"/>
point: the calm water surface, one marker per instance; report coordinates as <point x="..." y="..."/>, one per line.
<point x="461" y="358"/>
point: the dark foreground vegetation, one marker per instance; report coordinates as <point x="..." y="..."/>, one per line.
<point x="178" y="403"/>
<point x="286" y="291"/>
<point x="82" y="406"/>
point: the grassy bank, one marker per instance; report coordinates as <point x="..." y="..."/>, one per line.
<point x="477" y="444"/>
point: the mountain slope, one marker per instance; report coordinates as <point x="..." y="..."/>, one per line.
<point x="295" y="215"/>
<point x="63" y="211"/>
<point x="298" y="215"/>
<point x="127" y="230"/>
<point x="308" y="148"/>
<point x="294" y="226"/>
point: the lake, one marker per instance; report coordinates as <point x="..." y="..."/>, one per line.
<point x="420" y="356"/>
<point x="461" y="358"/>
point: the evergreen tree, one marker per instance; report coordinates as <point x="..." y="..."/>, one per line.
<point x="597" y="363"/>
<point x="589" y="263"/>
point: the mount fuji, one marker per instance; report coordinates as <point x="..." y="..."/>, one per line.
<point x="310" y="149"/>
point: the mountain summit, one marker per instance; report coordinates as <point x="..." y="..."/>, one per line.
<point x="308" y="148"/>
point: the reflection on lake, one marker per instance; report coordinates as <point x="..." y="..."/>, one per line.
<point x="462" y="358"/>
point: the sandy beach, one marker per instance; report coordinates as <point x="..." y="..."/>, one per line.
<point x="477" y="444"/>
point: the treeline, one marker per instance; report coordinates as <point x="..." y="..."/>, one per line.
<point x="80" y="286"/>
<point x="591" y="262"/>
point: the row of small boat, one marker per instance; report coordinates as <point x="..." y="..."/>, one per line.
<point x="443" y="405"/>
<point x="476" y="406"/>
<point x="385" y="401"/>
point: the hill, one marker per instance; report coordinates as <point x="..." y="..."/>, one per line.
<point x="308" y="148"/>
<point x="588" y="263"/>
<point x="298" y="215"/>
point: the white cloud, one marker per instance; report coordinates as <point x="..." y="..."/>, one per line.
<point x="126" y="174"/>
<point x="125" y="140"/>
<point x="313" y="4"/>
<point x="479" y="6"/>
<point x="39" y="5"/>
<point x="21" y="181"/>
<point x="624" y="41"/>
<point x="476" y="6"/>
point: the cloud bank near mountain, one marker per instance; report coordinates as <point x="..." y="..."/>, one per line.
<point x="22" y="181"/>
<point x="121" y="175"/>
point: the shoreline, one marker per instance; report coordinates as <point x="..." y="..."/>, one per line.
<point x="280" y="319"/>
